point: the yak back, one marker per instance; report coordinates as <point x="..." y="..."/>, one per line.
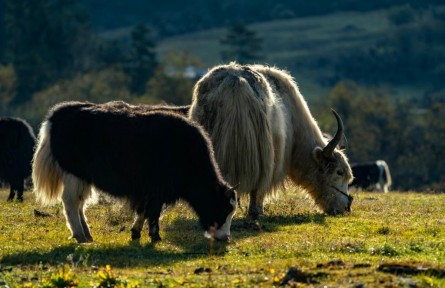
<point x="17" y="143"/>
<point x="181" y="110"/>
<point x="132" y="152"/>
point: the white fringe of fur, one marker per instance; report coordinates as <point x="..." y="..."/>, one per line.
<point x="49" y="179"/>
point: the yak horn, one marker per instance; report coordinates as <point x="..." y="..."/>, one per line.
<point x="328" y="151"/>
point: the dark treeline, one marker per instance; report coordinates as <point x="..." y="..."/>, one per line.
<point x="414" y="52"/>
<point x="176" y="17"/>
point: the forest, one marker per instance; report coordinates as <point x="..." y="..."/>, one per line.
<point x="57" y="50"/>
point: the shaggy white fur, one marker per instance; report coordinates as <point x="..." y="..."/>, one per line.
<point x="263" y="132"/>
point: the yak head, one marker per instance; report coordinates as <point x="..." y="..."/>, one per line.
<point x="332" y="176"/>
<point x="220" y="229"/>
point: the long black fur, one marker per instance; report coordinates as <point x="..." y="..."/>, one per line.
<point x="17" y="142"/>
<point x="148" y="157"/>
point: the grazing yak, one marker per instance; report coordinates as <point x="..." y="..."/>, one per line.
<point x="149" y="158"/>
<point x="371" y="176"/>
<point x="262" y="132"/>
<point x="17" y="142"/>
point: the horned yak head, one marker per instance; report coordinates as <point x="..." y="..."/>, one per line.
<point x="331" y="175"/>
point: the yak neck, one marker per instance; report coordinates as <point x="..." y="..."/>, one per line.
<point x="306" y="135"/>
<point x="205" y="202"/>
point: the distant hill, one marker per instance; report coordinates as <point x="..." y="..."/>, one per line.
<point x="323" y="49"/>
<point x="305" y="46"/>
<point x="294" y="42"/>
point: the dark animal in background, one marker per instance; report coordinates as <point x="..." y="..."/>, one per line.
<point x="372" y="176"/>
<point x="148" y="158"/>
<point x="263" y="132"/>
<point x="17" y="142"/>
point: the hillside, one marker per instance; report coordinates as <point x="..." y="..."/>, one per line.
<point x="175" y="17"/>
<point x="305" y="46"/>
<point x="294" y="40"/>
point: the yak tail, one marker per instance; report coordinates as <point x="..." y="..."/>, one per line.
<point x="234" y="111"/>
<point x="47" y="175"/>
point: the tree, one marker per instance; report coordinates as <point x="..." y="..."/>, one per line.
<point x="2" y="30"/>
<point x="142" y="58"/>
<point x="111" y="53"/>
<point x="242" y="45"/>
<point x="97" y="86"/>
<point x="46" y="41"/>
<point x="171" y="83"/>
<point x="8" y="81"/>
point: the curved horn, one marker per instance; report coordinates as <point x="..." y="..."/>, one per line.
<point x="329" y="149"/>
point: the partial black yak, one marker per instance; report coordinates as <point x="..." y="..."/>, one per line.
<point x="148" y="158"/>
<point x="17" y="142"/>
<point x="263" y="132"/>
<point x="372" y="176"/>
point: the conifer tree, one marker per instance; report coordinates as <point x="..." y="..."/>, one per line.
<point x="241" y="45"/>
<point x="45" y="42"/>
<point x="142" y="58"/>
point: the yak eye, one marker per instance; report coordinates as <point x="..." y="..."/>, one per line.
<point x="340" y="173"/>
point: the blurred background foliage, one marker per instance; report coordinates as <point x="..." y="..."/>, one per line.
<point x="380" y="64"/>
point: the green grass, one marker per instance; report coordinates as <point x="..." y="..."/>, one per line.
<point x="346" y="251"/>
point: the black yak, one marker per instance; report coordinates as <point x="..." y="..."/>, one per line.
<point x="149" y="158"/>
<point x="372" y="176"/>
<point x="263" y="132"/>
<point x="17" y="142"/>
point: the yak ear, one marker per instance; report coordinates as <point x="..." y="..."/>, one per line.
<point x="227" y="193"/>
<point x="317" y="154"/>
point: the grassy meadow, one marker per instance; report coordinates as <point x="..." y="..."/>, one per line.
<point x="389" y="240"/>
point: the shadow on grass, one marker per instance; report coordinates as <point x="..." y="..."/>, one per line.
<point x="185" y="234"/>
<point x="178" y="232"/>
<point x="83" y="255"/>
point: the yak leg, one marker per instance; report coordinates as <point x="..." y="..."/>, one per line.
<point x="11" y="193"/>
<point x="255" y="205"/>
<point x="153" y="214"/>
<point x="72" y="198"/>
<point x="20" y="189"/>
<point x="138" y="224"/>
<point x="83" y="222"/>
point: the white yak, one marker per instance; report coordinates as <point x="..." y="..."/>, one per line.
<point x="263" y="132"/>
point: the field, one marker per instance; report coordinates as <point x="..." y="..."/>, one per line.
<point x="391" y="240"/>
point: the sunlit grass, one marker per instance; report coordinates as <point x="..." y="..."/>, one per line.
<point x="404" y="228"/>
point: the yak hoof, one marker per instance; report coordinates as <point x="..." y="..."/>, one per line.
<point x="19" y="198"/>
<point x="155" y="238"/>
<point x="135" y="234"/>
<point x="81" y="240"/>
<point x="254" y="215"/>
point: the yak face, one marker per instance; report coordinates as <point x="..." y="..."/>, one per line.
<point x="332" y="176"/>
<point x="220" y="230"/>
